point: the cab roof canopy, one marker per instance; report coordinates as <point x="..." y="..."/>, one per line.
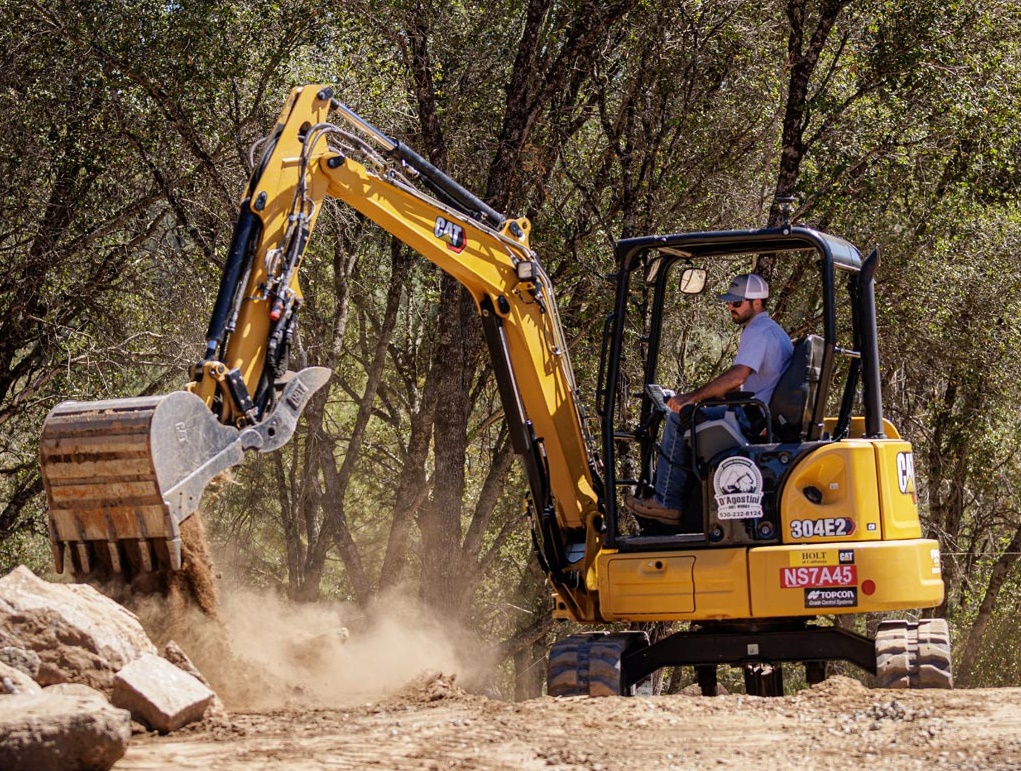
<point x="836" y="252"/>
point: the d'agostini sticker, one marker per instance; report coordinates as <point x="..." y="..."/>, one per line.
<point x="452" y="233"/>
<point x="738" y="488"/>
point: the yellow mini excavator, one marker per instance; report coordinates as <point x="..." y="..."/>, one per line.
<point x="811" y="518"/>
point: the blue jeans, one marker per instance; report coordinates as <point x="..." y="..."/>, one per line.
<point x="673" y="467"/>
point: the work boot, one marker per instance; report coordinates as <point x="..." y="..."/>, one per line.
<point x="650" y="509"/>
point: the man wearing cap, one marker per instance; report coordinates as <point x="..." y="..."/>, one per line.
<point x="762" y="356"/>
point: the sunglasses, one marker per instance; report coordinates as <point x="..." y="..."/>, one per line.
<point x="736" y="303"/>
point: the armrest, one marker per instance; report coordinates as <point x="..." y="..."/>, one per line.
<point x="739" y="395"/>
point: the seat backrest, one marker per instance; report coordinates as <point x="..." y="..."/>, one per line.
<point x="794" y="396"/>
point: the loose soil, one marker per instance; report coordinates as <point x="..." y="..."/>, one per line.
<point x="433" y="724"/>
<point x="303" y="693"/>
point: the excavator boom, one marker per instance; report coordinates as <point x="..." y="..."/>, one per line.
<point x="121" y="475"/>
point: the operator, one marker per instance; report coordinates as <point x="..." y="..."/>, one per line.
<point x="762" y="356"/>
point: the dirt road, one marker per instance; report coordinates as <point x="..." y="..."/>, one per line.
<point x="838" y="724"/>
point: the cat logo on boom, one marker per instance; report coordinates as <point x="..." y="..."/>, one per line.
<point x="452" y="233"/>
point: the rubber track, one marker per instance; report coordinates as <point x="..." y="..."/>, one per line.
<point x="589" y="664"/>
<point x="914" y="654"/>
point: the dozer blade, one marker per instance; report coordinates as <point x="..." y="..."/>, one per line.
<point x="122" y="474"/>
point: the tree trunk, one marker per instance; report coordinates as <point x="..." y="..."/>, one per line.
<point x="973" y="643"/>
<point x="335" y="527"/>
<point x="414" y="485"/>
<point x="802" y="59"/>
<point x="948" y="460"/>
<point x="529" y="671"/>
<point x="528" y="646"/>
<point x="440" y="519"/>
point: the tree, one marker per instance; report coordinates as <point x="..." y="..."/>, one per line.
<point x="127" y="133"/>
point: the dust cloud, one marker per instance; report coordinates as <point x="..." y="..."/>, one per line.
<point x="312" y="647"/>
<point x="262" y="651"/>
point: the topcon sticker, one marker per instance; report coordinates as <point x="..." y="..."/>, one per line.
<point x="846" y="597"/>
<point x="738" y="487"/>
<point x="451" y="232"/>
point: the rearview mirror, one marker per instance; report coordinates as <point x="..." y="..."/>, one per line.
<point x="692" y="280"/>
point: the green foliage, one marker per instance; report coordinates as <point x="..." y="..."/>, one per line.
<point x="998" y="659"/>
<point x="126" y="135"/>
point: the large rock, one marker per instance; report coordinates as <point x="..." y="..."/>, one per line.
<point x="54" y="732"/>
<point x="79" y="635"/>
<point x="160" y="694"/>
<point x="216" y="712"/>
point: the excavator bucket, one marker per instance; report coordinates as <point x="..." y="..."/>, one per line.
<point x="111" y="469"/>
<point x="122" y="475"/>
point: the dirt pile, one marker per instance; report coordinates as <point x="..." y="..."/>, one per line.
<point x="427" y="688"/>
<point x="835" y="690"/>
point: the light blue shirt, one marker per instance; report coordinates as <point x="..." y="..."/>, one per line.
<point x="766" y="349"/>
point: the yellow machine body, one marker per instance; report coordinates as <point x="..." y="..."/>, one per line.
<point x="858" y="550"/>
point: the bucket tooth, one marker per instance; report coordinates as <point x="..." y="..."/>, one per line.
<point x="115" y="556"/>
<point x="84" y="563"/>
<point x="174" y="548"/>
<point x="111" y="545"/>
<point x="145" y="554"/>
<point x="56" y="546"/>
<point x="57" y="549"/>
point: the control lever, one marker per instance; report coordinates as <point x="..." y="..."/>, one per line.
<point x="660" y="396"/>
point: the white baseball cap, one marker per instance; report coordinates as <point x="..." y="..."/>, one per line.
<point x="747" y="286"/>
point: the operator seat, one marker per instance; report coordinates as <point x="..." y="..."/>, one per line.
<point x="790" y="406"/>
<point x="795" y="395"/>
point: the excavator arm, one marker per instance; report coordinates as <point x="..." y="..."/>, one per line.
<point x="121" y="475"/>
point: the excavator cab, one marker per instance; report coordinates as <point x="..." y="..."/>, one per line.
<point x="660" y="296"/>
<point x="805" y="513"/>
